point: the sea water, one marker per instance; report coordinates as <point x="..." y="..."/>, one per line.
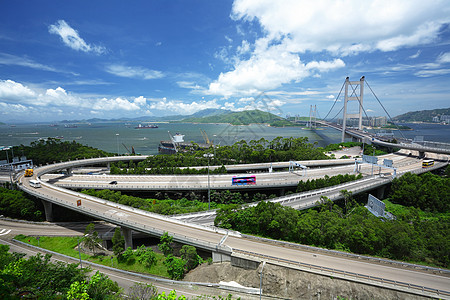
<point x="119" y="137"/>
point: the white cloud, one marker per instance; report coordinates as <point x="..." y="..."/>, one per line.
<point x="133" y="72"/>
<point x="16" y="96"/>
<point x="346" y="26"/>
<point x="431" y="73"/>
<point x="71" y="38"/>
<point x="444" y="58"/>
<point x="268" y="68"/>
<point x="13" y="60"/>
<point x="182" y="108"/>
<point x="118" y="103"/>
<point x="293" y="29"/>
<point x="416" y="55"/>
<point x="14" y="91"/>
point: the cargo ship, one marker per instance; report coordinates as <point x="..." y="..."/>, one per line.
<point x="177" y="144"/>
<point x="140" y="126"/>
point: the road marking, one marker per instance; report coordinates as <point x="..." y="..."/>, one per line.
<point x="4" y="231"/>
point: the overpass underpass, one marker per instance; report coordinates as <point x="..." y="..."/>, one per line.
<point x="274" y="180"/>
<point x="226" y="245"/>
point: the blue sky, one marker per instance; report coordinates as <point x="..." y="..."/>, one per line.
<point x="110" y="59"/>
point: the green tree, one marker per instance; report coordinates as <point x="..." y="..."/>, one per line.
<point x="165" y="244"/>
<point x="140" y="291"/>
<point x="118" y="242"/>
<point x="146" y="256"/>
<point x="189" y="254"/>
<point x="91" y="238"/>
<point x="175" y="267"/>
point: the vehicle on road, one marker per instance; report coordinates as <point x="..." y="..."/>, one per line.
<point x="427" y="163"/>
<point x="34" y="183"/>
<point x="28" y="172"/>
<point x="113" y="182"/>
<point x="244" y="180"/>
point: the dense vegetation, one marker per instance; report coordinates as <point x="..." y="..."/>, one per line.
<point x="327" y="181"/>
<point x="422" y="115"/>
<point x="368" y="149"/>
<point x="165" y="206"/>
<point x="427" y="191"/>
<point x="39" y="278"/>
<point x="254" y="151"/>
<point x="16" y="204"/>
<point x="237" y="118"/>
<point x="395" y="126"/>
<point x="419" y="234"/>
<point x="353" y="229"/>
<point x="51" y="150"/>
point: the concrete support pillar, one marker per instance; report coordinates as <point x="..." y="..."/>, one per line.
<point x="108" y="165"/>
<point x="380" y="192"/>
<point x="282" y="192"/>
<point x="128" y="236"/>
<point x="69" y="171"/>
<point x="220" y="257"/>
<point x="48" y="208"/>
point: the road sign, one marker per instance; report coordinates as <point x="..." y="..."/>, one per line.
<point x="78" y="202"/>
<point x="375" y="206"/>
<point x="370" y="159"/>
<point x="388" y="163"/>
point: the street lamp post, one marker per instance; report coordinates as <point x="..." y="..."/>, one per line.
<point x="260" y="280"/>
<point x="9" y="167"/>
<point x="117" y="136"/>
<point x="208" y="155"/>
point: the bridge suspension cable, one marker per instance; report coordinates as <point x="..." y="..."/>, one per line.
<point x="335" y="100"/>
<point x="385" y="110"/>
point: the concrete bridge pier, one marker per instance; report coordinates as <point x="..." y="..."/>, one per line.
<point x="69" y="171"/>
<point x="355" y="139"/>
<point x="380" y="192"/>
<point x="220" y="257"/>
<point x="108" y="166"/>
<point x="48" y="208"/>
<point x="128" y="236"/>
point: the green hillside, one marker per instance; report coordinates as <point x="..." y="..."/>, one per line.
<point x="238" y="118"/>
<point x="422" y="115"/>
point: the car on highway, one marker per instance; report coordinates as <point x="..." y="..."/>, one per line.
<point x="113" y="182"/>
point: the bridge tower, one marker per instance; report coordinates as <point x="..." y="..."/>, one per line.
<point x="312" y="116"/>
<point x="354" y="85"/>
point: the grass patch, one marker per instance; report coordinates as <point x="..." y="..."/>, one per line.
<point x="400" y="211"/>
<point x="68" y="246"/>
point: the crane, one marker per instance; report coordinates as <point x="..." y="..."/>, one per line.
<point x="205" y="137"/>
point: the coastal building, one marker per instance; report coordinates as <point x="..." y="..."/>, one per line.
<point x="370" y="121"/>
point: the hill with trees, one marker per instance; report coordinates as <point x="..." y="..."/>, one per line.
<point x="422" y="115"/>
<point x="51" y="150"/>
<point x="237" y="118"/>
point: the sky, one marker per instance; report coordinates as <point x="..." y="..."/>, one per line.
<point x="73" y="60"/>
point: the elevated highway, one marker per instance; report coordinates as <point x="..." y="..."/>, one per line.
<point x="225" y="244"/>
<point x="217" y="182"/>
<point x="367" y="138"/>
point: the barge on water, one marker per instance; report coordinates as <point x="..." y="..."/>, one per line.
<point x="177" y="144"/>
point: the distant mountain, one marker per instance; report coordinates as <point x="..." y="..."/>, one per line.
<point x="199" y="114"/>
<point x="422" y="115"/>
<point x="237" y="118"/>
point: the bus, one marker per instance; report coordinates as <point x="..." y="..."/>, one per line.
<point x="28" y="172"/>
<point x="34" y="183"/>
<point x="427" y="163"/>
<point x="243" y="180"/>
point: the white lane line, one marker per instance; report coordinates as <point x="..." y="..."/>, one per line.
<point x="3" y="232"/>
